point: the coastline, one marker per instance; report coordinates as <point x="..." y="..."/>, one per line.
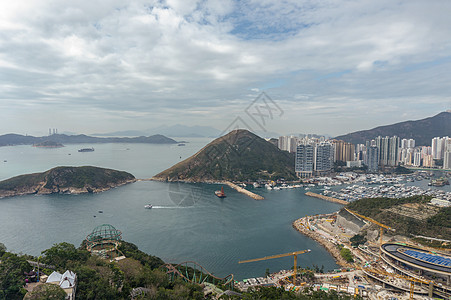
<point x="41" y="190"/>
<point x="323" y="241"/>
<point x="330" y="199"/>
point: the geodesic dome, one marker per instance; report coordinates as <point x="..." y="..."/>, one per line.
<point x="104" y="232"/>
<point x="104" y="238"/>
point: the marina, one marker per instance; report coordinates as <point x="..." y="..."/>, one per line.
<point x="398" y="190"/>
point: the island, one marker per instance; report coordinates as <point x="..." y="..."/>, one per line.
<point x="65" y="180"/>
<point x="48" y="144"/>
<point x="17" y="139"/>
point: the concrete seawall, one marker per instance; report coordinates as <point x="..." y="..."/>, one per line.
<point x="244" y="191"/>
<point x="330" y="199"/>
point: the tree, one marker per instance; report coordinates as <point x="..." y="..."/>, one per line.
<point x="63" y="253"/>
<point x="346" y="254"/>
<point x="12" y="277"/>
<point x="357" y="240"/>
<point x="46" y="291"/>
<point x="2" y="249"/>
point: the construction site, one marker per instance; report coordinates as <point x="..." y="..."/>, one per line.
<point x="386" y="266"/>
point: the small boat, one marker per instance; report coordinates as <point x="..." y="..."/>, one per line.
<point x="181" y="144"/>
<point x="100" y="211"/>
<point x="220" y="193"/>
<point x="86" y="150"/>
<point x="148" y="206"/>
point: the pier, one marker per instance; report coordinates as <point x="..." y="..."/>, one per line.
<point x="330" y="199"/>
<point x="243" y="191"/>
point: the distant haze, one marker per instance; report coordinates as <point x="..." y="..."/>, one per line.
<point x="331" y="67"/>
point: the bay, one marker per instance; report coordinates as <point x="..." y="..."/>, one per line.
<point x="187" y="223"/>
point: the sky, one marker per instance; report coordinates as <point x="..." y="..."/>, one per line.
<point x="328" y="67"/>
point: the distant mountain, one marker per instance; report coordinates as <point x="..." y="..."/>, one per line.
<point x="238" y="156"/>
<point x="122" y="133"/>
<point x="421" y="130"/>
<point x="16" y="139"/>
<point x="186" y="131"/>
<point x="65" y="180"/>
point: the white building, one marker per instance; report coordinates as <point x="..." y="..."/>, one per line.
<point x="67" y="281"/>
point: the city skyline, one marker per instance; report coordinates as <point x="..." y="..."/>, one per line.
<point x="332" y="68"/>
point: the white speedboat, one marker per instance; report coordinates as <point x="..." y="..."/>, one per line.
<point x="148" y="206"/>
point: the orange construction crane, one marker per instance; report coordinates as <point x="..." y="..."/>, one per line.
<point x="412" y="280"/>
<point x="382" y="226"/>
<point x="294" y="254"/>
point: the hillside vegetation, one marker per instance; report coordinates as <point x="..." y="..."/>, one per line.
<point x="104" y="280"/>
<point x="237" y="156"/>
<point x="72" y="180"/>
<point x="409" y="216"/>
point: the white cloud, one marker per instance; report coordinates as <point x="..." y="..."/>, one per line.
<point x="137" y="58"/>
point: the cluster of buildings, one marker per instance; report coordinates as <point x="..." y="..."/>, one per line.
<point x="426" y="156"/>
<point x="315" y="156"/>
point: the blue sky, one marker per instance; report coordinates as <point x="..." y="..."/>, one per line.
<point x="332" y="66"/>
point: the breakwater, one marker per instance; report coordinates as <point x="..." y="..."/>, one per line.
<point x="330" y="199"/>
<point x="243" y="191"/>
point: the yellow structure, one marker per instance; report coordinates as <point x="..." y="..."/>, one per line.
<point x="382" y="226"/>
<point x="410" y="279"/>
<point x="294" y="254"/>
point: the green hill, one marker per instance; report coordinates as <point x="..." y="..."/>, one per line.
<point x="238" y="156"/>
<point x="409" y="216"/>
<point x="65" y="180"/>
<point x="421" y="130"/>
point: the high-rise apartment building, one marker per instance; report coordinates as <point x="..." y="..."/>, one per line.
<point x="388" y="150"/>
<point x="393" y="151"/>
<point x="447" y="160"/>
<point x="343" y="151"/>
<point x="324" y="157"/>
<point x="372" y="158"/>
<point x="304" y="160"/>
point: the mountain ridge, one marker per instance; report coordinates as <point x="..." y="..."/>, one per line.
<point x="421" y="130"/>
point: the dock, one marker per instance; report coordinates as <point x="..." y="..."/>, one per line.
<point x="330" y="199"/>
<point x="243" y="191"/>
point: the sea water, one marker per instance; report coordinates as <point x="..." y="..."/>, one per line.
<point x="187" y="221"/>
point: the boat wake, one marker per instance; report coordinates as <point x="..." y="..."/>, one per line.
<point x="169" y="207"/>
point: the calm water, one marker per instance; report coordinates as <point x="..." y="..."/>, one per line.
<point x="187" y="222"/>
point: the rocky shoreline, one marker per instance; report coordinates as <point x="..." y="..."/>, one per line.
<point x="41" y="190"/>
<point x="330" y="247"/>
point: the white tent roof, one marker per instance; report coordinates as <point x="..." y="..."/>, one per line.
<point x="54" y="277"/>
<point x="66" y="280"/>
